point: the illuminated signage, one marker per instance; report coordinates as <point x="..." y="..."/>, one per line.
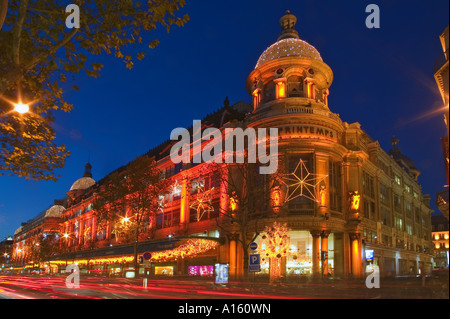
<point x="306" y="131"/>
<point x="164" y="271"/>
<point x="369" y="254"/>
<point x="221" y="276"/>
<point x="202" y="271"/>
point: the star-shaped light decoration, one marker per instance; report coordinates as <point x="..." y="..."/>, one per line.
<point x="302" y="183"/>
<point x="203" y="202"/>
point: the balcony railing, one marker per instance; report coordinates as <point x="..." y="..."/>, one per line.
<point x="441" y="61"/>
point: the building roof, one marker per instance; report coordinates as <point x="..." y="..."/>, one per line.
<point x="82" y="183"/>
<point x="288" y="43"/>
<point x="54" y="211"/>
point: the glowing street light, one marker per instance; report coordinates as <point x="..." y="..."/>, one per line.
<point x="21" y="108"/>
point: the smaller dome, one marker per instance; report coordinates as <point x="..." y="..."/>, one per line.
<point x="18" y="230"/>
<point x="54" y="211"/>
<point x="82" y="183"/>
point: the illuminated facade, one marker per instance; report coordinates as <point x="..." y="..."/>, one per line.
<point x="441" y="76"/>
<point x="337" y="194"/>
<point x="440" y="236"/>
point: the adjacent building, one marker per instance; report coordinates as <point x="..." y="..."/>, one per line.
<point x="441" y="77"/>
<point x="345" y="204"/>
<point x="440" y="239"/>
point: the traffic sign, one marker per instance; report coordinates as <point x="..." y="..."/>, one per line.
<point x="147" y="255"/>
<point x="253" y="246"/>
<point x="254" y="263"/>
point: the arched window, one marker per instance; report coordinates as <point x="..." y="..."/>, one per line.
<point x="269" y="92"/>
<point x="295" y="86"/>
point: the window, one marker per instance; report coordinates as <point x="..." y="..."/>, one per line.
<point x="385" y="197"/>
<point x="409" y="228"/>
<point x="168" y="219"/>
<point x="295" y="86"/>
<point x="407" y="188"/>
<point x="368" y="188"/>
<point x="398" y="223"/>
<point x="269" y="92"/>
<point x="397" y="203"/>
<point x="197" y="183"/>
<point x="335" y="180"/>
<point x="369" y="209"/>
<point x="385" y="216"/>
<point x="408" y="210"/>
<point x="397" y="179"/>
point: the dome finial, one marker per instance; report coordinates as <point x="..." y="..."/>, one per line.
<point x="287" y="23"/>
<point x="87" y="170"/>
<point x="394" y="142"/>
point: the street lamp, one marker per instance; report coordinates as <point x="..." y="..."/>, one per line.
<point x="21" y="108"/>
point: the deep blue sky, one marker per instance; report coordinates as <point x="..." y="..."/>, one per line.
<point x="383" y="79"/>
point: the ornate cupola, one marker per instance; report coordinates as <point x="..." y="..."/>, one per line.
<point x="290" y="69"/>
<point x="82" y="184"/>
<point x="287" y="23"/>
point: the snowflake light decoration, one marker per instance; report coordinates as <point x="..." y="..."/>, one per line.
<point x="302" y="183"/>
<point x="203" y="202"/>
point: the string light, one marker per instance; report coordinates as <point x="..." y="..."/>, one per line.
<point x="303" y="182"/>
<point x="191" y="248"/>
<point x="289" y="47"/>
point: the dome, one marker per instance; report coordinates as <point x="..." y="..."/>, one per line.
<point x="54" y="211"/>
<point x="18" y="230"/>
<point x="289" y="47"/>
<point x="82" y="183"/>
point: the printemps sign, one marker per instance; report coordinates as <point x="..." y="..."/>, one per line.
<point x="307" y="131"/>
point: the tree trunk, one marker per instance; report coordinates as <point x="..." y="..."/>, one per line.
<point x="136" y="264"/>
<point x="3" y="10"/>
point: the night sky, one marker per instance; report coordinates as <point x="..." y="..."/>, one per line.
<point x="383" y="79"/>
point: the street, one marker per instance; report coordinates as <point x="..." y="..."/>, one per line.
<point x="54" y="287"/>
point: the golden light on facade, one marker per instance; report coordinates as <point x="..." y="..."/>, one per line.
<point x="355" y="199"/>
<point x="233" y="204"/>
<point x="281" y="89"/>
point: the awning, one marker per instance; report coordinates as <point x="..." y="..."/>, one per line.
<point x="162" y="250"/>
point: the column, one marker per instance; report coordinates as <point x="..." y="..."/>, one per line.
<point x="322" y="169"/>
<point x="184" y="204"/>
<point x="81" y="231"/>
<point x="315" y="253"/>
<point x="355" y="254"/>
<point x="324" y="251"/>
<point x="232" y="251"/>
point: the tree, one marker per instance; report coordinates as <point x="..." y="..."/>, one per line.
<point x="38" y="53"/>
<point x="128" y="200"/>
<point x="249" y="197"/>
